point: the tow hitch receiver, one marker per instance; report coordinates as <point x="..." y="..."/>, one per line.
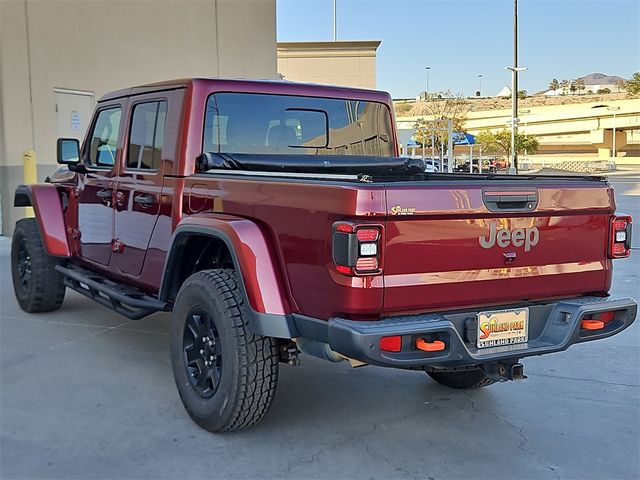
<point x="517" y="372"/>
<point x="502" y="371"/>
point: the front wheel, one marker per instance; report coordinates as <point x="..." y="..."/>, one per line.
<point x="464" y="379"/>
<point x="226" y="376"/>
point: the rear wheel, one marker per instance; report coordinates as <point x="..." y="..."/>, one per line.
<point x="37" y="285"/>
<point x="464" y="379"/>
<point x="226" y="375"/>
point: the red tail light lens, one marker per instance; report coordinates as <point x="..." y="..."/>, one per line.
<point x="367" y="234"/>
<point x="619" y="224"/>
<point x="344" y="227"/>
<point x="343" y="269"/>
<point x="620" y="237"/>
<point x="367" y="264"/>
<point x="618" y="249"/>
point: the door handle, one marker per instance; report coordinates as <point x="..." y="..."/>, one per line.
<point x="144" y="200"/>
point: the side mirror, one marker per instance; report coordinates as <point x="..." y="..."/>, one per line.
<point x="68" y="151"/>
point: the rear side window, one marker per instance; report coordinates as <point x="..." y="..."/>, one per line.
<point x="147" y="135"/>
<point x="288" y="124"/>
<point x="104" y="138"/>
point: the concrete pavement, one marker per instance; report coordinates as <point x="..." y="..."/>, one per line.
<point x="85" y="393"/>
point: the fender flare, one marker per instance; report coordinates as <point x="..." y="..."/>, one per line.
<point x="267" y="306"/>
<point x="46" y="203"/>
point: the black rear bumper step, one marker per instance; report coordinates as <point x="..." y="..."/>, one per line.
<point x="552" y="327"/>
<point x="126" y="300"/>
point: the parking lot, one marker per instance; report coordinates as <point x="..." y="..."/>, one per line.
<point x="85" y="393"/>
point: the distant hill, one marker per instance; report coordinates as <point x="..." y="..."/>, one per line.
<point x="600" y="79"/>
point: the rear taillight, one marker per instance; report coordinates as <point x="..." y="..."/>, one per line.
<point x="620" y="237"/>
<point x="356" y="248"/>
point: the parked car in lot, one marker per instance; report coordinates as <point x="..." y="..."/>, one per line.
<point x="274" y="218"/>
<point x="499" y="164"/>
<point x="488" y="165"/>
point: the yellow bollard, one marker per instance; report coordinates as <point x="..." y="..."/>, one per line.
<point x="30" y="174"/>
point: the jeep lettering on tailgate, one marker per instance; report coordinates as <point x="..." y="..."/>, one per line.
<point x="503" y="237"/>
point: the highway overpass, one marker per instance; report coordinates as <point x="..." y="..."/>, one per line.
<point x="579" y="130"/>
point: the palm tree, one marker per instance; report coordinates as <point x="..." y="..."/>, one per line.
<point x="554" y="84"/>
<point x="579" y="85"/>
<point x="573" y="87"/>
<point x="564" y="84"/>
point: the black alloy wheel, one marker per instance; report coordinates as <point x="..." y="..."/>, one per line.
<point x="202" y="352"/>
<point x="24" y="264"/>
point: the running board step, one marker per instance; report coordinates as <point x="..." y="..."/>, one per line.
<point x="126" y="300"/>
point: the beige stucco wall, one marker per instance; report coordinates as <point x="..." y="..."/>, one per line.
<point x="348" y="63"/>
<point x="104" y="45"/>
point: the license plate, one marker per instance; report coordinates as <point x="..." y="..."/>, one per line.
<point x="503" y="327"/>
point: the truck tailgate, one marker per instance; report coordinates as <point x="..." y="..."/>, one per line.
<point x="460" y="244"/>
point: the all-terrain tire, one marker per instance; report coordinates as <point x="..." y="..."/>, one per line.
<point x="464" y="379"/>
<point x="37" y="285"/>
<point x="237" y="388"/>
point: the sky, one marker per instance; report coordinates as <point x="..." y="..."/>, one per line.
<point x="461" y="39"/>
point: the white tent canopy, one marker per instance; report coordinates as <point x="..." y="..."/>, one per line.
<point x="505" y="92"/>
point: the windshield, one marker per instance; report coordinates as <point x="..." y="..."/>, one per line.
<point x="285" y="124"/>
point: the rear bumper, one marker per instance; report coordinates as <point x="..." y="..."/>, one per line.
<point x="553" y="327"/>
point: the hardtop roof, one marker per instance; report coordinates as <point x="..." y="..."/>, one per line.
<point x="285" y="86"/>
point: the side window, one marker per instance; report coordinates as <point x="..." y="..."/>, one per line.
<point x="147" y="135"/>
<point x="104" y="139"/>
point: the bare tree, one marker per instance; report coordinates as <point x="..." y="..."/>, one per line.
<point x="437" y="111"/>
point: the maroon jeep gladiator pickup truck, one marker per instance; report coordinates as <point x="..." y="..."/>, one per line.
<point x="274" y="218"/>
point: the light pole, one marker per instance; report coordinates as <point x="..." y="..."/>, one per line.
<point x="426" y="93"/>
<point x="335" y="20"/>
<point x="513" y="162"/>
<point x="513" y="168"/>
<point x="480" y="85"/>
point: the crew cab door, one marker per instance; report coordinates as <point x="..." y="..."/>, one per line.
<point x="139" y="185"/>
<point x="96" y="188"/>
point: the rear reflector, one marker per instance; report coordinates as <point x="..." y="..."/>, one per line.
<point x="435" y="346"/>
<point x="367" y="264"/>
<point x="391" y="344"/>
